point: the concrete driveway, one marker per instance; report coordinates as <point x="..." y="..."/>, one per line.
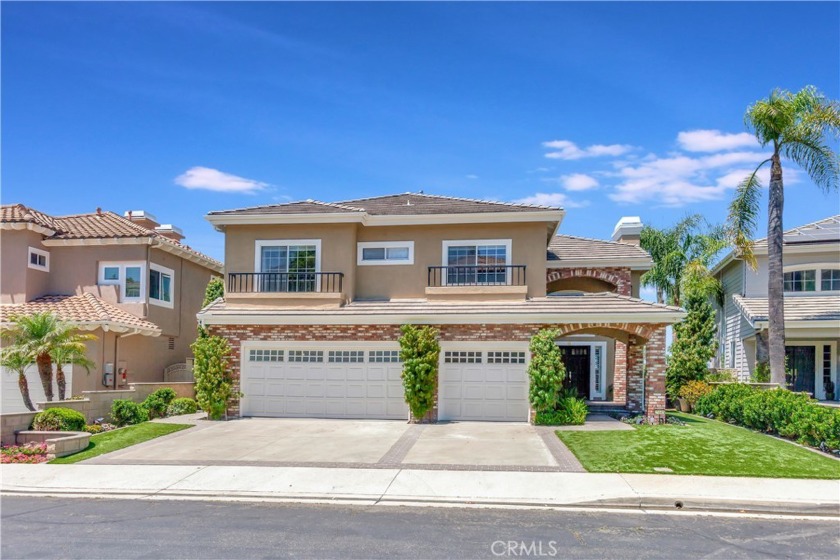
<point x="360" y="443"/>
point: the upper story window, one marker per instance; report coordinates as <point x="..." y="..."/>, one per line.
<point x="39" y="260"/>
<point x="830" y="279"/>
<point x="129" y="276"/>
<point x="477" y="261"/>
<point x="161" y="286"/>
<point x="816" y="279"/>
<point x="385" y="252"/>
<point x="288" y="265"/>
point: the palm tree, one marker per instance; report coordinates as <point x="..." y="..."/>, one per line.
<point x="37" y="336"/>
<point x="796" y="126"/>
<point x="73" y="352"/>
<point x="12" y="358"/>
<point x="681" y="256"/>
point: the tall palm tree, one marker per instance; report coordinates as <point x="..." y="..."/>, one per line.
<point x="681" y="256"/>
<point x="73" y="352"/>
<point x="13" y="359"/>
<point x="37" y="336"/>
<point x="797" y="126"/>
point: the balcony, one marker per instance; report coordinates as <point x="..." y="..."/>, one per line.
<point x="477" y="282"/>
<point x="293" y="286"/>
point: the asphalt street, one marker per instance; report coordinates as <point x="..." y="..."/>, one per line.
<point x="99" y="528"/>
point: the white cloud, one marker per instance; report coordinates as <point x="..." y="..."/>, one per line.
<point x="472" y="177"/>
<point x="715" y="140"/>
<point x="214" y="180"/>
<point x="578" y="182"/>
<point x="566" y="149"/>
<point x="553" y="199"/>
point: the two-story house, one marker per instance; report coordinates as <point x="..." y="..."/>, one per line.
<point x="127" y="279"/>
<point x="811" y="256"/>
<point x="316" y="293"/>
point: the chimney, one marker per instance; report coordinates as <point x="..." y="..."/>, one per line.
<point x="142" y="218"/>
<point x="170" y="231"/>
<point x="628" y="230"/>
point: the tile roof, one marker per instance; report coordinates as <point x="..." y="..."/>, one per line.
<point x="600" y="307"/>
<point x="86" y="311"/>
<point x="582" y="249"/>
<point x="11" y="213"/>
<point x="827" y="229"/>
<point x="797" y="308"/>
<point x="404" y="204"/>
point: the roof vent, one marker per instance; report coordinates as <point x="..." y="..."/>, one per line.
<point x="170" y="231"/>
<point x="628" y="230"/>
<point x="142" y="218"/>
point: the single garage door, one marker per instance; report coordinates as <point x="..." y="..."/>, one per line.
<point x="483" y="385"/>
<point x="322" y="383"/>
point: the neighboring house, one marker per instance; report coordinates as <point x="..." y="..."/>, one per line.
<point x="128" y="280"/>
<point x="316" y="293"/>
<point x="812" y="307"/>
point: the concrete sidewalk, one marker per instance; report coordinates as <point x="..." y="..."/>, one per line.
<point x="438" y="487"/>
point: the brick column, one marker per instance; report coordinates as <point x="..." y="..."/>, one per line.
<point x="635" y="376"/>
<point x="655" y="374"/>
<point x="620" y="373"/>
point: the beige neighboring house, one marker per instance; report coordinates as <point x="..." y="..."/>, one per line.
<point x="127" y="279"/>
<point x="316" y="293"/>
<point x="812" y="308"/>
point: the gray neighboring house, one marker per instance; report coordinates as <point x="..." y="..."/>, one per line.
<point x="812" y="307"/>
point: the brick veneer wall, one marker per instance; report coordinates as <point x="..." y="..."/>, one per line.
<point x="655" y="378"/>
<point x="620" y="277"/>
<point x="236" y="334"/>
<point x="620" y="373"/>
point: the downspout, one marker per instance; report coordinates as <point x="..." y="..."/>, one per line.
<point x="117" y="338"/>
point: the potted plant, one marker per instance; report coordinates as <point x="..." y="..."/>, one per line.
<point x="829" y="390"/>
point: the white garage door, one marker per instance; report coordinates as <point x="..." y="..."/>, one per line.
<point x="12" y="400"/>
<point x="483" y="385"/>
<point x="322" y="383"/>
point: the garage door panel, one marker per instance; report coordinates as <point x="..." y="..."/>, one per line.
<point x="482" y="391"/>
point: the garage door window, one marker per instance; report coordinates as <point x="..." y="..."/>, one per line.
<point x="462" y="357"/>
<point x="505" y="357"/>
<point x="384" y="356"/>
<point x="346" y="356"/>
<point x="265" y="356"/>
<point x="306" y="355"/>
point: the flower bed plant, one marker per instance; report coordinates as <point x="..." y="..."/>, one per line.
<point x="29" y="453"/>
<point x="569" y="411"/>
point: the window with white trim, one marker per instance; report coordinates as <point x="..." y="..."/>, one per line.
<point x="39" y="260"/>
<point x="801" y="281"/>
<point x="306" y="356"/>
<point x="462" y="357"/>
<point x="385" y="252"/>
<point x="265" y="355"/>
<point x="161" y="285"/>
<point x="129" y="276"/>
<point x="819" y="277"/>
<point x="346" y="356"/>
<point x="505" y="357"/>
<point x="384" y="356"/>
<point x="477" y="262"/>
<point x="830" y="279"/>
<point x="288" y="265"/>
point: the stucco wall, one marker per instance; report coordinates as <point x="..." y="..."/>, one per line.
<point x="19" y="282"/>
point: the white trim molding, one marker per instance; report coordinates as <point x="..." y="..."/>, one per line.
<point x="122" y="266"/>
<point x="446" y="244"/>
<point x="362" y="245"/>
<point x="819" y="388"/>
<point x="260" y="243"/>
<point x="39" y="253"/>
<point x="597" y="387"/>
<point x="171" y="273"/>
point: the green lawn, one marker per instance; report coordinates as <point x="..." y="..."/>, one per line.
<point x="700" y="447"/>
<point x="118" y="439"/>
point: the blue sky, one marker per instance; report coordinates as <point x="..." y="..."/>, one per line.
<point x="607" y="109"/>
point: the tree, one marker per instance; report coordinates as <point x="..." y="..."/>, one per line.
<point x="74" y="352"/>
<point x="213" y="384"/>
<point x="215" y="289"/>
<point x="37" y="336"/>
<point x="796" y="126"/>
<point x="682" y="254"/>
<point x="419" y="352"/>
<point x="14" y="359"/>
<point x="546" y="371"/>
<point x="694" y="343"/>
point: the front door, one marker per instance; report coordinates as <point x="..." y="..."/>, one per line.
<point x="801" y="361"/>
<point x="576" y="360"/>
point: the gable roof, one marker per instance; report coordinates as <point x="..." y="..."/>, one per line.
<point x="85" y="311"/>
<point x="816" y="310"/>
<point x="76" y="228"/>
<point x="297" y="207"/>
<point x="421" y="203"/>
<point x="570" y="250"/>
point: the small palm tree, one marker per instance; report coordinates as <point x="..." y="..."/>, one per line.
<point x="13" y="359"/>
<point x="37" y="336"/>
<point x="73" y="352"/>
<point x="796" y="125"/>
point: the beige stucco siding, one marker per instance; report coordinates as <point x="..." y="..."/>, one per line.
<point x="21" y="283"/>
<point x="75" y="268"/>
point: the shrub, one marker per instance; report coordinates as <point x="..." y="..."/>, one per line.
<point x="761" y="373"/>
<point x="213" y="384"/>
<point x="157" y="402"/>
<point x="693" y="390"/>
<point x="419" y="352"/>
<point x="694" y="345"/>
<point x="93" y="428"/>
<point x="570" y="411"/>
<point x="183" y="405"/>
<point x="214" y="290"/>
<point x="724" y="403"/>
<point x="125" y="412"/>
<point x="722" y="376"/>
<point x="546" y="371"/>
<point x="59" y="419"/>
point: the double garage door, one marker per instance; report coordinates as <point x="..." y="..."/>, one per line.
<point x="359" y="382"/>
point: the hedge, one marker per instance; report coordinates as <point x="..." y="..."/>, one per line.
<point x="59" y="419"/>
<point x="775" y="411"/>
